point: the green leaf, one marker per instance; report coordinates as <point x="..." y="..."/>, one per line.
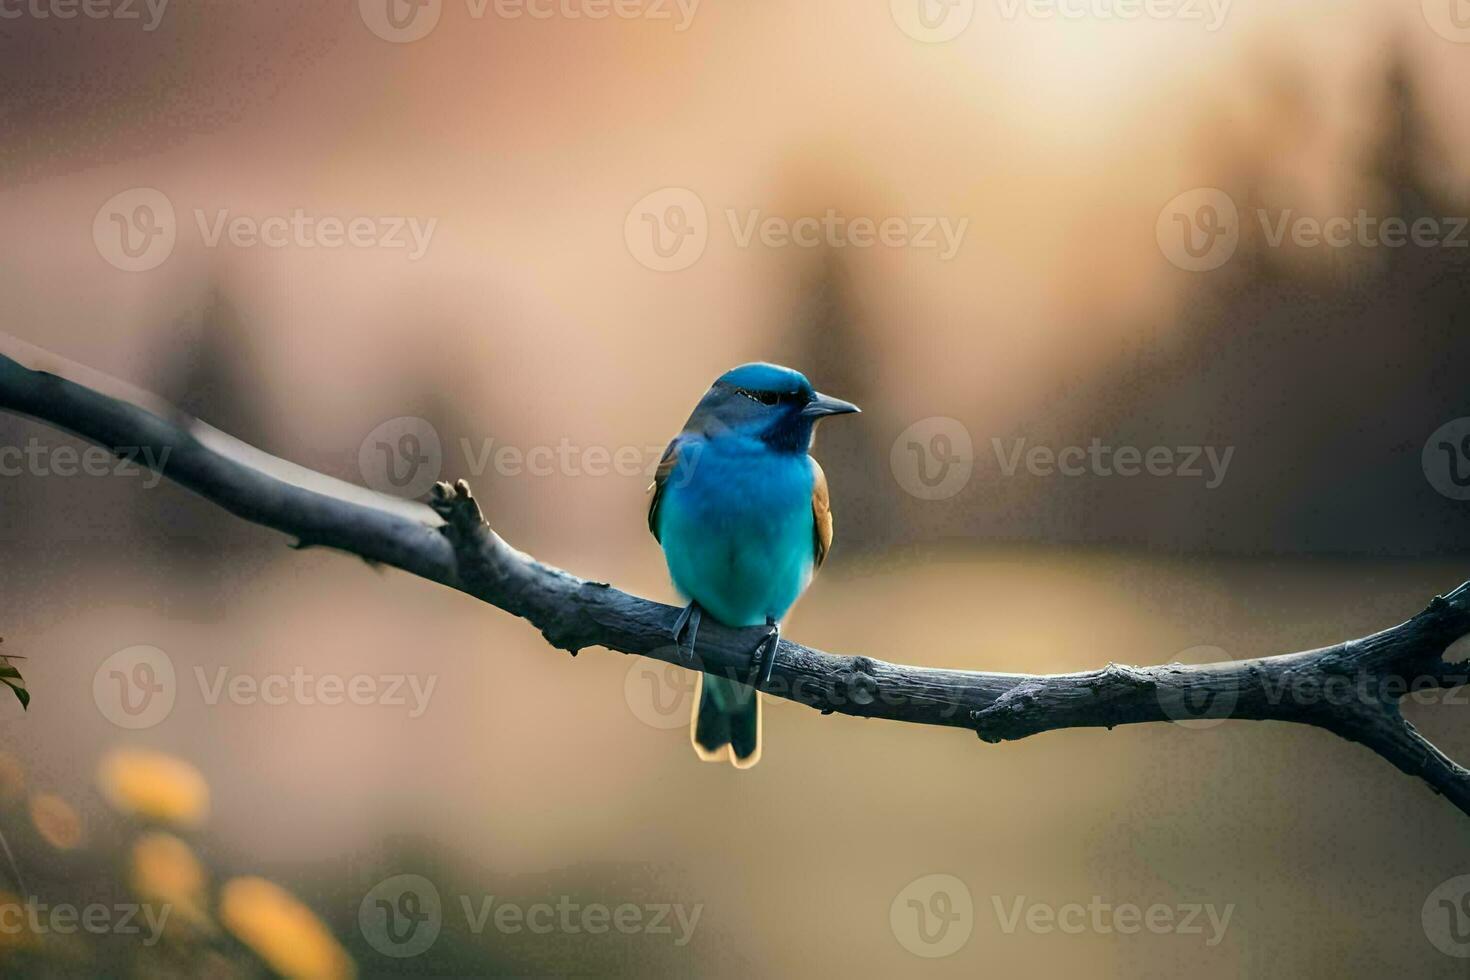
<point x="12" y="679"/>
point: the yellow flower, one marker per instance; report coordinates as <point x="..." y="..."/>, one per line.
<point x="166" y="871"/>
<point x="154" y="786"/>
<point x="282" y="931"/>
<point x="56" y="821"/>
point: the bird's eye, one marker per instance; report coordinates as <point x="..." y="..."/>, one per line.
<point x="768" y="398"/>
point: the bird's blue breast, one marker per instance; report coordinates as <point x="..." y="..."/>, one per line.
<point x="736" y="528"/>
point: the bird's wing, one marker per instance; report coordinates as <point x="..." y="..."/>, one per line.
<point x="661" y="476"/>
<point x="821" y="516"/>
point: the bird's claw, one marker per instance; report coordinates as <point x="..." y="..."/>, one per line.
<point x="688" y="619"/>
<point x="763" y="662"/>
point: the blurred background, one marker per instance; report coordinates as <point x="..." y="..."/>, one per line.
<point x="1158" y="319"/>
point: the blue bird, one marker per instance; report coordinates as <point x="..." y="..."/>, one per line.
<point x="742" y="513"/>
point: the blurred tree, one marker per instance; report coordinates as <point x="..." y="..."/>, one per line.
<point x="206" y="368"/>
<point x="1326" y="368"/>
<point x="827" y="342"/>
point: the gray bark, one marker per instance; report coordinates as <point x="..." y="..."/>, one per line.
<point x="1353" y="688"/>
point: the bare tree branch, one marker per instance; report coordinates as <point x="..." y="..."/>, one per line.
<point x="1352" y="689"/>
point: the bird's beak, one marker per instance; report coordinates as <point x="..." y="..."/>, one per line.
<point x="823" y="405"/>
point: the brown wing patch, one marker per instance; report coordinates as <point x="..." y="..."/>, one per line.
<point x="821" y="516"/>
<point x="660" y="477"/>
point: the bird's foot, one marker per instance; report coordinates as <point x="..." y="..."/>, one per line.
<point x="764" y="659"/>
<point x="688" y="620"/>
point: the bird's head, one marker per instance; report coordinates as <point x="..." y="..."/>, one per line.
<point x="768" y="402"/>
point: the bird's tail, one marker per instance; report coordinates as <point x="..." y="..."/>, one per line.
<point x="727" y="722"/>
